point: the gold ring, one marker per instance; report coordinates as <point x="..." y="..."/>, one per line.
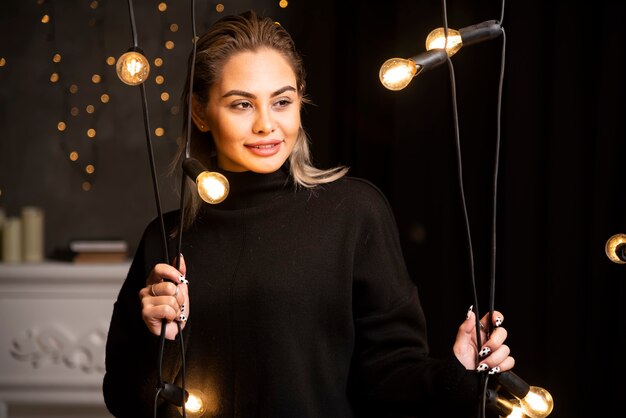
<point x="152" y="290"/>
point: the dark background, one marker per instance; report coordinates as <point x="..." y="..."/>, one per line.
<point x="560" y="188"/>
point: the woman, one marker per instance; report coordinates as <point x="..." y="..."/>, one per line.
<point x="299" y="304"/>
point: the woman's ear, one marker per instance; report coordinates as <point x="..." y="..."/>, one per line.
<point x="198" y="115"/>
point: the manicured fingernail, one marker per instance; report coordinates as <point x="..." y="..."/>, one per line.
<point x="494" y="370"/>
<point x="468" y="312"/>
<point x="484" y="352"/>
<point x="482" y="367"/>
<point x="182" y="307"/>
<point x="498" y="321"/>
<point x="183" y="317"/>
<point x="181" y="255"/>
<point x="184" y="280"/>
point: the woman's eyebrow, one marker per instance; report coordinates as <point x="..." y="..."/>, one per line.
<point x="252" y="96"/>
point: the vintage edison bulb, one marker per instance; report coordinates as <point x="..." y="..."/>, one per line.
<point x="537" y="403"/>
<point x="397" y="73"/>
<point x="132" y="68"/>
<point x="611" y="248"/>
<point x="213" y="187"/>
<point x="436" y="39"/>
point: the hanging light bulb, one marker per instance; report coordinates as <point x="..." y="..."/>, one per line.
<point x="615" y="248"/>
<point x="213" y="187"/>
<point x="505" y="408"/>
<point x="469" y="35"/>
<point x="536" y="402"/>
<point x="397" y="73"/>
<point x="133" y="67"/>
<point x="195" y="406"/>
<point x="436" y="39"/>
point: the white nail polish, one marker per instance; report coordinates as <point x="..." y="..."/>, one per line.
<point x="494" y="370"/>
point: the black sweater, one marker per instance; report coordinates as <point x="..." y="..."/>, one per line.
<point x="301" y="306"/>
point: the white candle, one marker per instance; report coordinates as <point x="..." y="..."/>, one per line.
<point x="12" y="240"/>
<point x="32" y="234"/>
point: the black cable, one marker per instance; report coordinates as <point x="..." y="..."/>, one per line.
<point x="485" y="379"/>
<point x="160" y="367"/>
<point x="492" y="285"/>
<point x="156" y="401"/>
<point x="155" y="183"/>
<point x="146" y="120"/>
<point x="161" y="384"/>
<point x="192" y="66"/>
<point x="131" y="14"/>
<point x="183" y="368"/>
<point x="457" y="136"/>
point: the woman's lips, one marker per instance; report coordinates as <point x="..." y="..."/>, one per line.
<point x="265" y="149"/>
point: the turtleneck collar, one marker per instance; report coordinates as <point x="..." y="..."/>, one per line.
<point x="249" y="189"/>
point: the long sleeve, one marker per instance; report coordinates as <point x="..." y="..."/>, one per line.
<point x="131" y="378"/>
<point x="391" y="363"/>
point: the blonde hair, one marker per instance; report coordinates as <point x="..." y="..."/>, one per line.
<point x="228" y="36"/>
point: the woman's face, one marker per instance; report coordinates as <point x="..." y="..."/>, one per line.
<point x="253" y="112"/>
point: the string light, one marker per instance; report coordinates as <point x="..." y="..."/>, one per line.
<point x="77" y="129"/>
<point x="133" y="68"/>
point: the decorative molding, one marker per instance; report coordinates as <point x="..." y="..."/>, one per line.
<point x="53" y="346"/>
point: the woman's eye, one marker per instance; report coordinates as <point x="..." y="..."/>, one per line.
<point x="283" y="103"/>
<point x="242" y="105"/>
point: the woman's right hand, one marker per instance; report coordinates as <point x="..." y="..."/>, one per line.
<point x="165" y="296"/>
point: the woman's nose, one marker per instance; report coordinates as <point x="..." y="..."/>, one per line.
<point x="264" y="124"/>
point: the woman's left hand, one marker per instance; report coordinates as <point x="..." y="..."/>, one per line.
<point x="493" y="355"/>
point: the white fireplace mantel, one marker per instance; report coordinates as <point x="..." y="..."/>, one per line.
<point x="54" y="318"/>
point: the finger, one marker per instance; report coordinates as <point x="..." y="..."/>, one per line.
<point x="162" y="301"/>
<point x="164" y="288"/>
<point x="497" y="319"/>
<point x="496" y="339"/>
<point x="507" y="364"/>
<point x="152" y="315"/>
<point x="181" y="264"/>
<point x="495" y="359"/>
<point x="468" y="326"/>
<point x="162" y="272"/>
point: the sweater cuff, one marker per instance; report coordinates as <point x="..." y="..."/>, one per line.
<point x="459" y="384"/>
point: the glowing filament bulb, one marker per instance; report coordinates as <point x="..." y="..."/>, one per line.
<point x="436" y="39"/>
<point x="212" y="187"/>
<point x="614" y="248"/>
<point x="194" y="404"/>
<point x="538" y="403"/>
<point x="133" y="68"/>
<point x="397" y="73"/>
<point x="199" y="404"/>
<point x="517" y="412"/>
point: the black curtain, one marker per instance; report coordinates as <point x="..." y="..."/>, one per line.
<point x="559" y="194"/>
